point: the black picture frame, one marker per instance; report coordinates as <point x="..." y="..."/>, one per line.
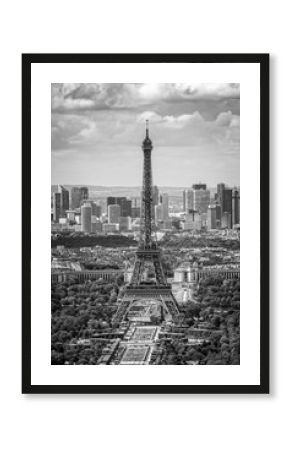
<point x="27" y="61"/>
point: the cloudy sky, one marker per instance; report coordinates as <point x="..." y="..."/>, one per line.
<point x="97" y="131"/>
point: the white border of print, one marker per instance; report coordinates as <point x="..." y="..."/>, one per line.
<point x="42" y="75"/>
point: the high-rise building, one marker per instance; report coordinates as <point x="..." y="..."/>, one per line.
<point x="226" y="203"/>
<point x="201" y="200"/>
<point x="125" y="223"/>
<point x="136" y="211"/>
<point x="60" y="203"/>
<point x="224" y="199"/>
<point x="211" y="217"/>
<point x="136" y="202"/>
<point x="165" y="206"/>
<point x="64" y="199"/>
<point x="124" y="203"/>
<point x="70" y="214"/>
<point x="78" y="196"/>
<point x="158" y="213"/>
<point x="226" y="220"/>
<point x="98" y="211"/>
<point x="188" y="201"/>
<point x="199" y="186"/>
<point x="218" y="215"/>
<point x="235" y="207"/>
<point x="56" y="206"/>
<point x="155" y="199"/>
<point x="114" y="213"/>
<point x="86" y="218"/>
<point x="220" y="188"/>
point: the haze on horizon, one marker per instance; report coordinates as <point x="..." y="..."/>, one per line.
<point x="97" y="132"/>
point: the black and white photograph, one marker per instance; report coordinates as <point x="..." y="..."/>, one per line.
<point x="147" y="246"/>
<point x="145" y="224"/>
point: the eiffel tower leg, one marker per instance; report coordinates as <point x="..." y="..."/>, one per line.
<point x="160" y="278"/>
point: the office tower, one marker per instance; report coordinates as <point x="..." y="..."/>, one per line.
<point x="226" y="220"/>
<point x="220" y="188"/>
<point x="124" y="203"/>
<point x="184" y="200"/>
<point x="60" y="203"/>
<point x="224" y="199"/>
<point x="211" y="217"/>
<point x="165" y="206"/>
<point x="188" y="201"/>
<point x="201" y="200"/>
<point x="64" y="199"/>
<point x="199" y="186"/>
<point x="78" y="195"/>
<point x="136" y="202"/>
<point x="56" y="206"/>
<point x="218" y="215"/>
<point x="155" y="199"/>
<point x="136" y="211"/>
<point x="94" y="206"/>
<point x="86" y="218"/>
<point x="158" y="213"/>
<point x="70" y="215"/>
<point x="98" y="211"/>
<point x="235" y="207"/>
<point x="125" y="223"/>
<point x="99" y="227"/>
<point x="226" y="203"/>
<point x="114" y="213"/>
<point x="126" y="207"/>
<point x="94" y="224"/>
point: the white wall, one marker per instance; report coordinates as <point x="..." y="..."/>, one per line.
<point x="167" y="422"/>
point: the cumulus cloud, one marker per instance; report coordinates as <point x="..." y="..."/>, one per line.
<point x="114" y="96"/>
<point x="228" y="119"/>
<point x="98" y="121"/>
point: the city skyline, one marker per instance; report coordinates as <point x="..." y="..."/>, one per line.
<point x="98" y="128"/>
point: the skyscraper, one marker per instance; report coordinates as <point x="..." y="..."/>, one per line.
<point x="78" y="195"/>
<point x="124" y="203"/>
<point x="125" y="223"/>
<point x="199" y="186"/>
<point x="64" y="199"/>
<point x="235" y="207"/>
<point x="60" y="203"/>
<point x="136" y="211"/>
<point x="226" y="203"/>
<point x="56" y="206"/>
<point x="165" y="206"/>
<point x="226" y="220"/>
<point x="114" y="213"/>
<point x="188" y="201"/>
<point x="86" y="218"/>
<point x="158" y="214"/>
<point x="220" y="188"/>
<point x="155" y="199"/>
<point x="98" y="211"/>
<point x="211" y="217"/>
<point x="201" y="200"/>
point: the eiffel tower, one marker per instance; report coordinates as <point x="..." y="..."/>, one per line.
<point x="142" y="298"/>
